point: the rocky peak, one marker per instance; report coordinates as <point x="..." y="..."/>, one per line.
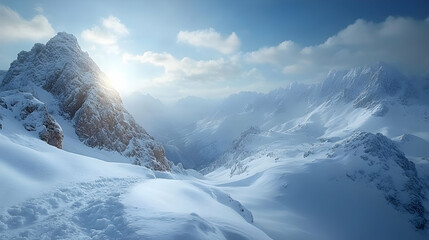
<point x="61" y="68"/>
<point x="63" y="39"/>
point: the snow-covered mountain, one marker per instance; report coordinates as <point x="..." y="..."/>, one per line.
<point x="71" y="86"/>
<point x="346" y="156"/>
<point x="359" y="187"/>
<point x="374" y="98"/>
<point x="364" y="130"/>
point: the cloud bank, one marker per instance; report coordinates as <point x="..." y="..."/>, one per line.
<point x="106" y="35"/>
<point x="400" y="41"/>
<point x="15" y="28"/>
<point x="209" y="38"/>
<point x="187" y="69"/>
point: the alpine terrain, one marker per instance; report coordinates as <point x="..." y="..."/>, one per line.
<point x="345" y="158"/>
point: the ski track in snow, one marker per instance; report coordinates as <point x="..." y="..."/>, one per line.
<point x="86" y="210"/>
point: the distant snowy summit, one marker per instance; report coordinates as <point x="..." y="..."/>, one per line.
<point x="372" y="98"/>
<point x="60" y="80"/>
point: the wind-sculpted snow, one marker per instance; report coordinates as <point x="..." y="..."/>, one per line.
<point x="33" y="114"/>
<point x="191" y="214"/>
<point x="61" y="68"/>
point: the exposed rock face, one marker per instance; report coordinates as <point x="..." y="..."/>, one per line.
<point x="33" y="114"/>
<point x="52" y="133"/>
<point x="71" y="76"/>
<point x="378" y="160"/>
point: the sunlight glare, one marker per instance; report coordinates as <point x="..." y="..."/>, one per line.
<point x="116" y="80"/>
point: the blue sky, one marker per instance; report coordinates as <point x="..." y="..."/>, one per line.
<point x="173" y="49"/>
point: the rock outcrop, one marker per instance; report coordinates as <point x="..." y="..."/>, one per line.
<point x="33" y="114"/>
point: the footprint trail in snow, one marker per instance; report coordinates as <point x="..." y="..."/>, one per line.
<point x="87" y="210"/>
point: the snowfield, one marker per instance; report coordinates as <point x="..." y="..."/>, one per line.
<point x="340" y="196"/>
<point x="288" y="186"/>
<point x="48" y="193"/>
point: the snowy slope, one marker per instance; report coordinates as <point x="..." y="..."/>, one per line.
<point x="309" y="172"/>
<point x="48" y="193"/>
<point x="298" y="187"/>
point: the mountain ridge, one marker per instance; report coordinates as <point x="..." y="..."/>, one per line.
<point x="371" y="91"/>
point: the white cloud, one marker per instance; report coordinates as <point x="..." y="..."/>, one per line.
<point x="114" y="24"/>
<point x="209" y="38"/>
<point x="13" y="27"/>
<point x="99" y="36"/>
<point x="188" y="69"/>
<point x="285" y="51"/>
<point x="399" y="41"/>
<point x="107" y="35"/>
